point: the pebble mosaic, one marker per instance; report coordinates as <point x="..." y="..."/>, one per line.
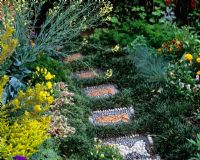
<point x="73" y="57"/>
<point x="134" y="147"/>
<point x="101" y="91"/>
<point x="111" y="116"/>
<point x="87" y="74"/>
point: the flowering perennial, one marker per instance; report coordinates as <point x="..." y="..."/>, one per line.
<point x="21" y="135"/>
<point x="7" y="43"/>
<point x="188" y="57"/>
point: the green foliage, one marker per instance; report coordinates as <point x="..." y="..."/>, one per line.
<point x="165" y="120"/>
<point x="149" y="65"/>
<point x="54" y="66"/>
<point x="139" y="41"/>
<point x="104" y="152"/>
<point x="194" y="17"/>
<point x="61" y="27"/>
<point x="47" y="151"/>
<point x="196" y="146"/>
<point x="64" y="31"/>
<point x="140" y="12"/>
<point x="119" y="35"/>
<point x="76" y="144"/>
<point x="189" y="37"/>
<point x="156" y="34"/>
<point x="125" y="32"/>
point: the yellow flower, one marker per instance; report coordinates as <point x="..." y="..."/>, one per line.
<point x="198" y="60"/>
<point x="42" y="95"/>
<point x="16" y="103"/>
<point x="49" y="85"/>
<point x="50" y="100"/>
<point x="9" y="30"/>
<point x="45" y="71"/>
<point x="5" y="79"/>
<point x="15" y="42"/>
<point x="116" y="48"/>
<point x="4" y="48"/>
<point x="170" y="49"/>
<point x="37" y="108"/>
<point x="27" y="114"/>
<point x="8" y="43"/>
<point x="198" y="72"/>
<point x="49" y="76"/>
<point x="38" y="68"/>
<point x="109" y="73"/>
<point x="159" y="50"/>
<point x="188" y="57"/>
<point x="32" y="43"/>
<point x="106" y="8"/>
<point x="30" y="91"/>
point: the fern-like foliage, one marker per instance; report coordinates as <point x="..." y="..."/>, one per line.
<point x="149" y="65"/>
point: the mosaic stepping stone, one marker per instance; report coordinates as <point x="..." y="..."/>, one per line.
<point x="73" y="57"/>
<point x="87" y="74"/>
<point x="101" y="91"/>
<point x="111" y="116"/>
<point x="134" y="147"/>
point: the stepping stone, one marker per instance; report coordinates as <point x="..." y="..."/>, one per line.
<point x="101" y="91"/>
<point x="59" y="48"/>
<point x="73" y="57"/>
<point x="87" y="74"/>
<point x="133" y="147"/>
<point x="111" y="116"/>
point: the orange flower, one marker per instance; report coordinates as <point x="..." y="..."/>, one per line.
<point x="198" y="72"/>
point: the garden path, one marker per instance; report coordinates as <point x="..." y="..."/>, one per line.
<point x="132" y="146"/>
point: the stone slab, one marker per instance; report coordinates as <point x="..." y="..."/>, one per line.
<point x="133" y="147"/>
<point x="101" y="91"/>
<point x="87" y="74"/>
<point x="112" y="116"/>
<point x="73" y="57"/>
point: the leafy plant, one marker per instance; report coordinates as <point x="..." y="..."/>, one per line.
<point x="47" y="151"/>
<point x="196" y="146"/>
<point x="54" y="66"/>
<point x="139" y="41"/>
<point x="149" y="65"/>
<point x="104" y="152"/>
<point x="61" y="27"/>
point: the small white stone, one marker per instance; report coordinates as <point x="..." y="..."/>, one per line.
<point x="91" y="120"/>
<point x="150" y="139"/>
<point x="131" y="110"/>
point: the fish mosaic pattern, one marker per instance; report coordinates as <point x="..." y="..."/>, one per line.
<point x="111" y="116"/>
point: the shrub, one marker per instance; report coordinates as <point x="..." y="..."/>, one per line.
<point x="149" y="65"/>
<point x="21" y="134"/>
<point x="104" y="152"/>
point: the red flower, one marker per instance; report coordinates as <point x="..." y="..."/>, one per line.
<point x="168" y="2"/>
<point x="193" y="4"/>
